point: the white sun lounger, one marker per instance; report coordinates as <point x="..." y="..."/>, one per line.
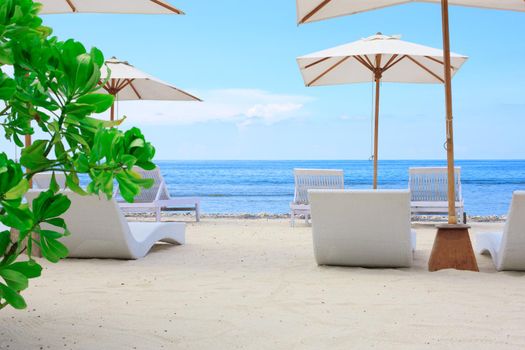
<point x="369" y="228"/>
<point x="157" y="198"/>
<point x="41" y="180"/>
<point x="309" y="179"/>
<point x="429" y="188"/>
<point x="507" y="249"/>
<point x="100" y="230"/>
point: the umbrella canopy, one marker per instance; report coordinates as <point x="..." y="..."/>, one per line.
<point x="379" y="58"/>
<point x="129" y="83"/>
<point x="109" y="6"/>
<point x="317" y="10"/>
<point x="400" y="62"/>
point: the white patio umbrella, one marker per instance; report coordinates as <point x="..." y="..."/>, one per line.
<point x="105" y="6"/>
<point x="316" y="10"/>
<point x="108" y="6"/>
<point x="379" y="58"/>
<point x="129" y="83"/>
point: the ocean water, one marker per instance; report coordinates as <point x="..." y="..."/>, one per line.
<point x="234" y="187"/>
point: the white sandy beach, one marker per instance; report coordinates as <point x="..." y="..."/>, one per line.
<point x="254" y="284"/>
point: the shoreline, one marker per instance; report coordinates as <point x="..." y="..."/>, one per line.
<point x="427" y="219"/>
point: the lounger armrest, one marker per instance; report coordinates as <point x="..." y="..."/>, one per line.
<point x="177" y="202"/>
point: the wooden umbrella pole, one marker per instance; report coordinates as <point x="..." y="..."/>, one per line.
<point x="376" y="132"/>
<point x="452" y="247"/>
<point x="452" y="219"/>
<point x="112" y="117"/>
<point x="378" y="74"/>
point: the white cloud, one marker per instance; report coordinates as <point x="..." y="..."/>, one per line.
<point x="240" y="106"/>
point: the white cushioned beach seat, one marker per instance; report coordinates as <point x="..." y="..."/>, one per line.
<point x="367" y="228"/>
<point x="100" y="230"/>
<point x="507" y="248"/>
<point x="41" y="180"/>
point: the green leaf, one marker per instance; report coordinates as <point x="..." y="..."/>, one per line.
<point x="52" y="249"/>
<point x="57" y="206"/>
<point x="82" y="163"/>
<point x="7" y="87"/>
<point x="50" y="234"/>
<point x="33" y="156"/>
<point x="6" y="56"/>
<point x="53" y="185"/>
<point x="79" y="110"/>
<point x="30" y="269"/>
<point x="58" y="222"/>
<point x="100" y="102"/>
<point x="97" y="56"/>
<point x="129" y="161"/>
<point x="73" y="183"/>
<point x="12" y="297"/>
<point x="128" y="189"/>
<point x="5" y="241"/>
<point x="137" y="143"/>
<point x="18" y="191"/>
<point x="14" y="279"/>
<point x="19" y="218"/>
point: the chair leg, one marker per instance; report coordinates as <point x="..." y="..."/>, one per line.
<point x="292" y="218"/>
<point x="198" y="212"/>
<point x="157" y="214"/>
<point x="460" y="215"/>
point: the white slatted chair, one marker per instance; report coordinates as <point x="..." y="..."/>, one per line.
<point x="429" y="188"/>
<point x="507" y="248"/>
<point x="311" y="179"/>
<point x="100" y="230"/>
<point x="157" y="198"/>
<point x="366" y="228"/>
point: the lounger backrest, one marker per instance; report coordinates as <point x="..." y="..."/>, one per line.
<point x="361" y="228"/>
<point x="431" y="184"/>
<point x="512" y="250"/>
<point x="96" y="224"/>
<point x="158" y="191"/>
<point x="311" y="179"/>
<point x="42" y="180"/>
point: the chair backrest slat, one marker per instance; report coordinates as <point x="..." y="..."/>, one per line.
<point x="315" y="179"/>
<point x="431" y="184"/>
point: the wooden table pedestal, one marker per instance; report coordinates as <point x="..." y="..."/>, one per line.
<point x="452" y="249"/>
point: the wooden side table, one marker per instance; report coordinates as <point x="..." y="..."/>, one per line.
<point x="452" y="249"/>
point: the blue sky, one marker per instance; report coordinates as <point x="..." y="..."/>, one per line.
<point x="239" y="56"/>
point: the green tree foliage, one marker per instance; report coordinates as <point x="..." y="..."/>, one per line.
<point x="55" y="88"/>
